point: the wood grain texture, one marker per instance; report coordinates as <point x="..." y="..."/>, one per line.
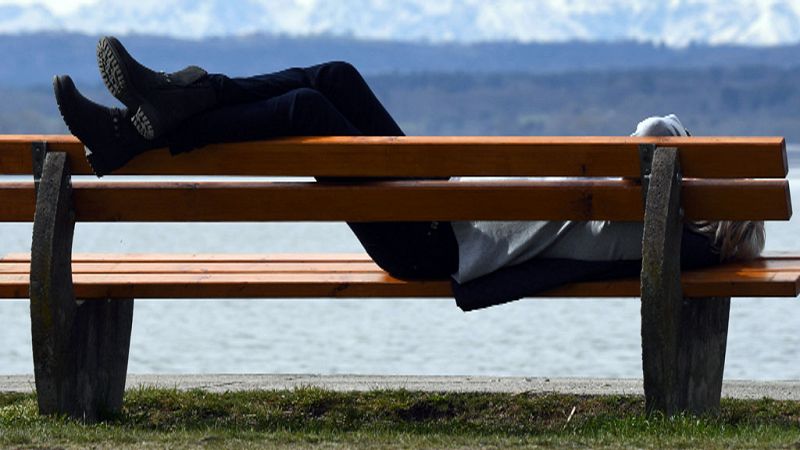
<point x="204" y="257"/>
<point x="770" y="261"/>
<point x="17" y="201"/>
<point x="431" y="156"/>
<point x="320" y="275"/>
<point x="121" y="263"/>
<point x="430" y="200"/>
<point x="205" y="267"/>
<point x="214" y="201"/>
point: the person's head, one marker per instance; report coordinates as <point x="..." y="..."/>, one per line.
<point x="734" y="241"/>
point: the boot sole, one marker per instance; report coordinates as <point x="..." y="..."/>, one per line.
<point x="97" y="163"/>
<point x="117" y="80"/>
<point x="141" y="121"/>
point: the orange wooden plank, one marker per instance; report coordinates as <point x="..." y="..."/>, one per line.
<point x="416" y="200"/>
<point x="253" y="201"/>
<point x="123" y="266"/>
<point x="428" y="156"/>
<point x="696" y="283"/>
<point x="378" y="284"/>
<point x="769" y="199"/>
<point x="289" y="285"/>
<point x="763" y="264"/>
<point x="205" y="267"/>
<point x="407" y="200"/>
<point x="202" y="257"/>
<point x="15" y="152"/>
<point x="17" y="201"/>
<point x="768" y="261"/>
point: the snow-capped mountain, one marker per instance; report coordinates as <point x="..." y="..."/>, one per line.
<point x="16" y="18"/>
<point x="673" y="22"/>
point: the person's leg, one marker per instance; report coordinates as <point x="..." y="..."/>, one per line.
<point x="346" y="88"/>
<point x="161" y="101"/>
<point x="409" y="250"/>
<point x="237" y="90"/>
<point x="328" y="99"/>
<point x="339" y="81"/>
<point x="299" y="112"/>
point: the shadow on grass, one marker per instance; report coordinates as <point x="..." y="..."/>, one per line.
<point x="415" y="419"/>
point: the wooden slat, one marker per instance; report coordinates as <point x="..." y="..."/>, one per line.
<point x="428" y="156"/>
<point x="331" y="277"/>
<point x="357" y="285"/>
<point x="374" y="202"/>
<point x="17" y="201"/>
<point x="202" y="257"/>
<point x="15" y="152"/>
<point x="758" y="199"/>
<point x="695" y="285"/>
<point x="131" y="265"/>
<point x="409" y="200"/>
<point x="544" y="200"/>
<point x="204" y="267"/>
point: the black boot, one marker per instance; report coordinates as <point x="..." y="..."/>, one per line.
<point x="107" y="134"/>
<point x="160" y="101"/>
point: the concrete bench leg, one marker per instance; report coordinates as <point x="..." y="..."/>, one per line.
<point x="684" y="360"/>
<point x="80" y="349"/>
<point x="683" y="340"/>
<point x="702" y="340"/>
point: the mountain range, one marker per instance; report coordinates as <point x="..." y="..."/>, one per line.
<point x="671" y="22"/>
<point x="33" y="59"/>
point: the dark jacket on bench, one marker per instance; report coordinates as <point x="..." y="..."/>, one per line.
<point x="538" y="275"/>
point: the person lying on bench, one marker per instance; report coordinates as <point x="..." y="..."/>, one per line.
<point x="489" y="262"/>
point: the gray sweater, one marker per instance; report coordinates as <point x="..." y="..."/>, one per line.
<point x="485" y="246"/>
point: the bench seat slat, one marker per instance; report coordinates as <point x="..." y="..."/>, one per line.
<point x="412" y="200"/>
<point x="429" y="156"/>
<point x="769" y="261"/>
<point x="202" y="257"/>
<point x="205" y="267"/>
<point x="211" y="266"/>
<point x="327" y="276"/>
<point x="358" y="285"/>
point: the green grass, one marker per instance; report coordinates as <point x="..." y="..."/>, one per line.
<point x="159" y="418"/>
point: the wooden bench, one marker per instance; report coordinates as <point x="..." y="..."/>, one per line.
<point x="81" y="347"/>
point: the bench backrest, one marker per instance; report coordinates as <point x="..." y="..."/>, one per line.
<point x="723" y="178"/>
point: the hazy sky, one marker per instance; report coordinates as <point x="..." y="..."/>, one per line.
<point x="55" y="5"/>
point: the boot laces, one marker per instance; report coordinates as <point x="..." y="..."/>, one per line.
<point x="117" y="116"/>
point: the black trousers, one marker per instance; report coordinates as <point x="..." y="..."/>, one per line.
<point x="326" y="99"/>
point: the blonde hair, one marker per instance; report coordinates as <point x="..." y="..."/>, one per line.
<point x="734" y="241"/>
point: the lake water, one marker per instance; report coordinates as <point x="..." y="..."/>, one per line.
<point x="546" y="338"/>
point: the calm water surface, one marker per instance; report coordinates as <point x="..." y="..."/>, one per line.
<point x="556" y="338"/>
